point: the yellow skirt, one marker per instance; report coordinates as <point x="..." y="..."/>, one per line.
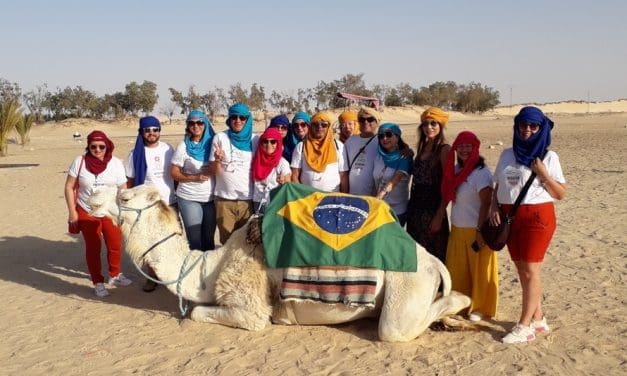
<point x="474" y="274"/>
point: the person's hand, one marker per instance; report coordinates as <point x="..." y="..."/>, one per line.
<point x="72" y="217"/>
<point x="381" y="194"/>
<point x="539" y="168"/>
<point x="219" y="154"/>
<point x="280" y="179"/>
<point x="436" y="223"/>
<point x="495" y="217"/>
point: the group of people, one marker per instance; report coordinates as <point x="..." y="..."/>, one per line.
<point x="218" y="180"/>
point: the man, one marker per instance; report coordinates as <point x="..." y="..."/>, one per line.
<point x="149" y="163"/>
<point x="318" y="161"/>
<point x="231" y="163"/>
<point x="361" y="151"/>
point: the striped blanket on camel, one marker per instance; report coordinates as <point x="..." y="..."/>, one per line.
<point x="350" y="286"/>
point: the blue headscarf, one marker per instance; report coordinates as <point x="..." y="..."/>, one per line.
<point x="393" y="159"/>
<point x="526" y="151"/>
<point x="290" y="141"/>
<point x="279" y="120"/>
<point x="199" y="151"/>
<point x="139" y="153"/>
<point x="241" y="139"/>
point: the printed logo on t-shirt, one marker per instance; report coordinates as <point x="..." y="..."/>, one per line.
<point x="512" y="175"/>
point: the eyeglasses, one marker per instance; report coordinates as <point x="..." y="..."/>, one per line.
<point x="532" y="126"/>
<point x="240" y="117"/>
<point x="383" y="135"/>
<point x="267" y="141"/>
<point x="363" y="120"/>
<point x="301" y="124"/>
<point x="320" y="124"/>
<point x="97" y="147"/>
<point x="198" y="123"/>
<point x="151" y="129"/>
<point x="432" y="123"/>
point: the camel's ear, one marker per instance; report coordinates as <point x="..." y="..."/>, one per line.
<point x="153" y="196"/>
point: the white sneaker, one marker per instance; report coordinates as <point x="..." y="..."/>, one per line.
<point x="119" y="280"/>
<point x="540" y="326"/>
<point x="475" y="316"/>
<point x="520" y="334"/>
<point x="101" y="290"/>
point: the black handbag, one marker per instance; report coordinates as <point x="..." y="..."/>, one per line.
<point x="496" y="236"/>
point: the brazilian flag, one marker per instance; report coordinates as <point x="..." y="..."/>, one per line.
<point x="305" y="227"/>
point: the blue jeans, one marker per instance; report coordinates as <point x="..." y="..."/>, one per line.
<point x="199" y="220"/>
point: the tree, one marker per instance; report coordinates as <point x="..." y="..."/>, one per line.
<point x="476" y="98"/>
<point x="148" y="96"/>
<point x="393" y="98"/>
<point x="23" y="128"/>
<point x="237" y="94"/>
<point x="35" y="101"/>
<point x="257" y="98"/>
<point x="10" y="116"/>
<point x="9" y="90"/>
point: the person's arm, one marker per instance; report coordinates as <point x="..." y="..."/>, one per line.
<point x="344" y="182"/>
<point x="179" y="176"/>
<point x="130" y="182"/>
<point x="389" y="187"/>
<point x="215" y="166"/>
<point x="295" y="175"/>
<point x="556" y="189"/>
<point x="436" y="221"/>
<point x="69" y="199"/>
<point x="494" y="213"/>
<point x="485" y="195"/>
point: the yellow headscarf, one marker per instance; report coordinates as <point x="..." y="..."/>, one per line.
<point x="319" y="153"/>
<point x="347" y="116"/>
<point x="369" y="111"/>
<point x="436" y="114"/>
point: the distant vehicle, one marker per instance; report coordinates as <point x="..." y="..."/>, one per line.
<point x="359" y="99"/>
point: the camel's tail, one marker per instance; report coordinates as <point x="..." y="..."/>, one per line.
<point x="446" y="277"/>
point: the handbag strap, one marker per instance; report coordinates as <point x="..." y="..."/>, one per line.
<point x="522" y="194"/>
<point x="361" y="150"/>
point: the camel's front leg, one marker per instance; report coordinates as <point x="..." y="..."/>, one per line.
<point x="230" y="316"/>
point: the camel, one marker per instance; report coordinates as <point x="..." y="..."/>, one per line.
<point x="232" y="285"/>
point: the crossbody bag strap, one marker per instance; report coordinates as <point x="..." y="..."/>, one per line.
<point x="361" y="150"/>
<point x="523" y="193"/>
<point x="76" y="182"/>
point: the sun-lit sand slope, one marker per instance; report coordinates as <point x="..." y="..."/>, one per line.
<point x="51" y="322"/>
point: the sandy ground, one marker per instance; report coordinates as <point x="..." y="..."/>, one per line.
<point x="51" y="323"/>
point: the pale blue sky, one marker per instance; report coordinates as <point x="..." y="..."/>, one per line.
<point x="543" y="50"/>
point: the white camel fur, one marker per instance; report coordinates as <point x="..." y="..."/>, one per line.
<point x="240" y="291"/>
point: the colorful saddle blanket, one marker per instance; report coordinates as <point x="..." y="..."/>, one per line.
<point x="305" y="227"/>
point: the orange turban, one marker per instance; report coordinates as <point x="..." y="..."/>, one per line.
<point x="367" y="111"/>
<point x="320" y="153"/>
<point x="347" y="116"/>
<point x="436" y="114"/>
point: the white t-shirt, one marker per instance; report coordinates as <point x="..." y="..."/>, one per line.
<point x="158" y="161"/>
<point x="235" y="181"/>
<point x="360" y="174"/>
<point x="263" y="187"/>
<point x="113" y="176"/>
<point x="329" y="179"/>
<point x="512" y="176"/>
<point x="465" y="208"/>
<point x="192" y="190"/>
<point x="399" y="196"/>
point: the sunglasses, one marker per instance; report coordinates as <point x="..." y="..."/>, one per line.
<point x="240" y="117"/>
<point x="279" y="126"/>
<point x="383" y="135"/>
<point x="97" y="147"/>
<point x="432" y="123"/>
<point x="151" y="129"/>
<point x="301" y="125"/>
<point x="268" y="141"/>
<point x="320" y="124"/>
<point x="199" y="123"/>
<point x="532" y="126"/>
<point x="363" y="120"/>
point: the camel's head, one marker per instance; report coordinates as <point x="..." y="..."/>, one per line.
<point x="103" y="202"/>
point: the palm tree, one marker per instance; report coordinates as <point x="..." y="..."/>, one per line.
<point x="23" y="128"/>
<point x="10" y="116"/>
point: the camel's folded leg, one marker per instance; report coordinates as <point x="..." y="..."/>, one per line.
<point x="230" y="316"/>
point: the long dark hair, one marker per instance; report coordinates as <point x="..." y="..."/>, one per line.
<point x="422" y="140"/>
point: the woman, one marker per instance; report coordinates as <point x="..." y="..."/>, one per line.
<point x="318" y="161"/>
<point x="391" y="171"/>
<point x="472" y="265"/>
<point x="426" y="212"/>
<point x="348" y="125"/>
<point x="269" y="168"/>
<point x="98" y="167"/>
<point x="534" y="223"/>
<point x="281" y="123"/>
<point x="295" y="134"/>
<point x="190" y="168"/>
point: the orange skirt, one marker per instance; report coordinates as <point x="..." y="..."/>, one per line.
<point x="531" y="231"/>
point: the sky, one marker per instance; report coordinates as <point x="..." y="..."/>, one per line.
<point x="530" y="51"/>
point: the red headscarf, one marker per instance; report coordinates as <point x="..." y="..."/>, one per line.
<point x="263" y="163"/>
<point x="450" y="181"/>
<point x="93" y="164"/>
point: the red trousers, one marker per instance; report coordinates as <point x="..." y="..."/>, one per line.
<point x="95" y="229"/>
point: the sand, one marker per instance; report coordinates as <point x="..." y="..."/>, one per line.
<point x="51" y="322"/>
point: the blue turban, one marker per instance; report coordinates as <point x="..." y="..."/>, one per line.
<point x="393" y="159"/>
<point x="241" y="139"/>
<point x="279" y="120"/>
<point x="290" y="141"/>
<point x="526" y="151"/>
<point x="139" y="153"/>
<point x="200" y="151"/>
